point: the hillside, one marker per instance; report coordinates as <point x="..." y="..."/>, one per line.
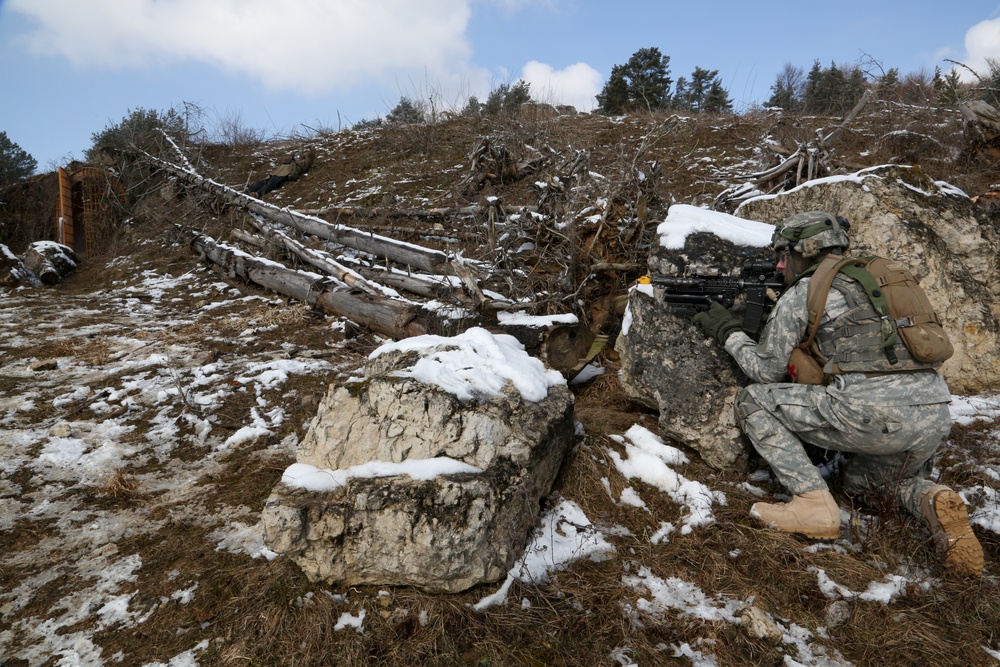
<point x="149" y="404"/>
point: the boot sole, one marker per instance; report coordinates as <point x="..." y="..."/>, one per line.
<point x="820" y="534"/>
<point x="963" y="554"/>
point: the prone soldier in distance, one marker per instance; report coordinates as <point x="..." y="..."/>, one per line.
<point x="289" y="170"/>
<point x="852" y="376"/>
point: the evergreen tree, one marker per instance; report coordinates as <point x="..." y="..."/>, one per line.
<point x="641" y="83"/>
<point x="833" y="86"/>
<point x="682" y="95"/>
<point x="505" y="99"/>
<point x="834" y="90"/>
<point x="15" y="163"/>
<point x="473" y="107"/>
<point x="704" y="92"/>
<point x="405" y="113"/>
<point x="811" y="96"/>
<point x="991" y="85"/>
<point x="142" y="129"/>
<point x="717" y="100"/>
<point x="701" y="81"/>
<point x="888" y="84"/>
<point x="613" y="98"/>
<point x="855" y="87"/>
<point x="948" y="90"/>
<point x="648" y="73"/>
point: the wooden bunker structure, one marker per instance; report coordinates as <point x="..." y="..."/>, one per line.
<point x="86" y="208"/>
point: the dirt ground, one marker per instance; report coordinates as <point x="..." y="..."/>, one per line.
<point x="148" y="405"/>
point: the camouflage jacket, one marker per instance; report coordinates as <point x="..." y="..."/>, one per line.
<point x="767" y="361"/>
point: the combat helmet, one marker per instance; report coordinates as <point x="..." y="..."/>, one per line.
<point x="810" y="233"/>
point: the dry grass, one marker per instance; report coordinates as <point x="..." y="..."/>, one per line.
<point x="258" y="612"/>
<point x="120" y="485"/>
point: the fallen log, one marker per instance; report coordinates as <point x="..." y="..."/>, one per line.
<point x="396" y="213"/>
<point x="420" y="286"/>
<point x="316" y="259"/>
<point x="386" y="316"/>
<point x="407" y="254"/>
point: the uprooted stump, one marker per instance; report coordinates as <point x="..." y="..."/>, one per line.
<point x="429" y="470"/>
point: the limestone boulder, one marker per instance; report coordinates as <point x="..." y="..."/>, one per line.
<point x="427" y="471"/>
<point x="666" y="362"/>
<point x="668" y="365"/>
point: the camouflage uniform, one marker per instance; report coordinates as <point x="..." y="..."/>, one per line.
<point x="891" y="423"/>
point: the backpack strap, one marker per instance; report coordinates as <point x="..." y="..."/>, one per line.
<point x="819" y="289"/>
<point x="873" y="287"/>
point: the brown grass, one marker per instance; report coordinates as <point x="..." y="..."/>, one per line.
<point x="258" y="612"/>
<point x="120" y="485"/>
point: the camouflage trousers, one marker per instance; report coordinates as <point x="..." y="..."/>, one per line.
<point x="891" y="447"/>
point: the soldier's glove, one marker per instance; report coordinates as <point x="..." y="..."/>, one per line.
<point x="717" y="322"/>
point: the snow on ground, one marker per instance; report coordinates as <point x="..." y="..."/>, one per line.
<point x="129" y="384"/>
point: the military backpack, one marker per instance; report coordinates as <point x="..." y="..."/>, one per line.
<point x="905" y="316"/>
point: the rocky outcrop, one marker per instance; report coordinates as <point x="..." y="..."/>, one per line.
<point x="669" y="366"/>
<point x="666" y="362"/>
<point x="933" y="229"/>
<point x="429" y="470"/>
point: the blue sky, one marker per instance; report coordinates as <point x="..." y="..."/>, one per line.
<point x="73" y="67"/>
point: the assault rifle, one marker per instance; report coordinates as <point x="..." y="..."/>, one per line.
<point x="759" y="280"/>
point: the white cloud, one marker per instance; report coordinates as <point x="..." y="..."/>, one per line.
<point x="514" y="6"/>
<point x="576" y="85"/>
<point x="982" y="41"/>
<point x="295" y="45"/>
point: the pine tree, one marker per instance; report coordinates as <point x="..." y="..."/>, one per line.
<point x="405" y="113"/>
<point x="15" y="162"/>
<point x="613" y="98"/>
<point x="948" y="89"/>
<point x="701" y="81"/>
<point x="142" y="129"/>
<point x="855" y="86"/>
<point x="717" y="100"/>
<point x="888" y="84"/>
<point x="505" y="98"/>
<point x="813" y="89"/>
<point x="682" y="95"/>
<point x="991" y="89"/>
<point x="648" y="74"/>
<point x="641" y="83"/>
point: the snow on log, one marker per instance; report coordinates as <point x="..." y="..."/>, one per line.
<point x="408" y="254"/>
<point x="386" y="316"/>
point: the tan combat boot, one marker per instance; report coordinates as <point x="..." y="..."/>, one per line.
<point x="814" y="514"/>
<point x="945" y="513"/>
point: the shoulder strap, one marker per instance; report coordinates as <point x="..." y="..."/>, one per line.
<point x="819" y="288"/>
<point x="873" y="287"/>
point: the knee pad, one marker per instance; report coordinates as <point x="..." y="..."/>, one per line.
<point x="744" y="406"/>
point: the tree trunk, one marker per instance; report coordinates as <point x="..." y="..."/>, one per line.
<point x="386" y="316"/>
<point x="408" y="254"/>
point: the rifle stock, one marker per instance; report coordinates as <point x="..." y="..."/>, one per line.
<point x="692" y="294"/>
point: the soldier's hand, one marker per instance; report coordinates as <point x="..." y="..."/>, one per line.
<point x="717" y="322"/>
